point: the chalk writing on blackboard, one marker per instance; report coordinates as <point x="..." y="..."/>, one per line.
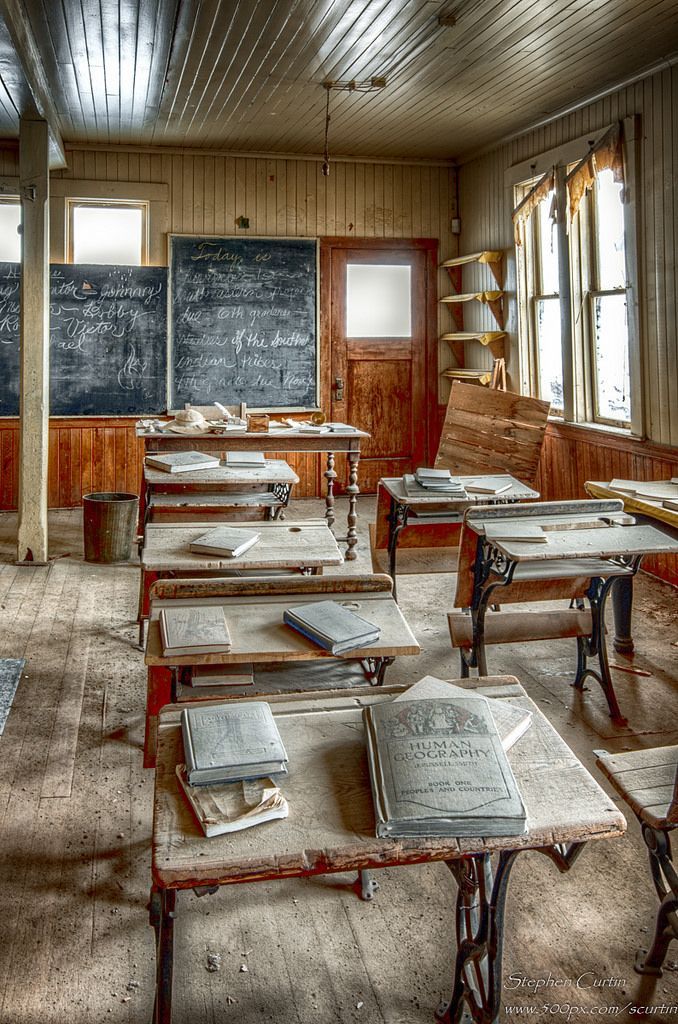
<point x="108" y="340"/>
<point x="244" y="322"/>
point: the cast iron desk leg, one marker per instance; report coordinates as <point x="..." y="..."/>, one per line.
<point x="163" y="902"/>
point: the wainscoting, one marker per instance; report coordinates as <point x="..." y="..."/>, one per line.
<point x="93" y="454"/>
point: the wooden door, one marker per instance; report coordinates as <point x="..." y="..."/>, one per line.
<point x="382" y="369"/>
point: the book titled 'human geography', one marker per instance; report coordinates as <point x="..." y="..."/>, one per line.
<point x="438" y="768"/>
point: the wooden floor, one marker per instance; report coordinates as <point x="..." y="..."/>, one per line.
<point x="75" y="944"/>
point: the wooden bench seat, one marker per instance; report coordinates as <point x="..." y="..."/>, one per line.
<point x="647" y="780"/>
<point x="517" y="627"/>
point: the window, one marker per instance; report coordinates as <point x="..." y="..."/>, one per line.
<point x="10" y="222"/>
<point x="378" y="301"/>
<point x="576" y="337"/>
<point x="107" y="232"/>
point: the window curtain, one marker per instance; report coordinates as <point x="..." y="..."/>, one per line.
<point x="606" y="154"/>
<point x="528" y="205"/>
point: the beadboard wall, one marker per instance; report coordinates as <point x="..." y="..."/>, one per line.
<point x="207" y="193"/>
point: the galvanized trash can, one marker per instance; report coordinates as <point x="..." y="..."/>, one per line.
<point x="109" y="525"/>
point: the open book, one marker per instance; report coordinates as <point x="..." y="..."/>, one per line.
<point x="511" y="721"/>
<point x="232" y="806"/>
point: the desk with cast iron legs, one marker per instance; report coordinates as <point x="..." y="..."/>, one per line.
<point x="331" y="828"/>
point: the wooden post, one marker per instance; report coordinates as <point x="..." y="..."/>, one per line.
<point x="34" y="390"/>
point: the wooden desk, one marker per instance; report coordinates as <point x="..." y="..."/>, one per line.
<point x="306" y="546"/>
<point x="646" y="511"/>
<point x="254" y="612"/>
<point x="275" y="477"/>
<point x="347" y="442"/>
<point x="427" y="510"/>
<point x="331" y="828"/>
<point x="574" y="550"/>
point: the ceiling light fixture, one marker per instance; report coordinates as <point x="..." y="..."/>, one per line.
<point x="371" y="85"/>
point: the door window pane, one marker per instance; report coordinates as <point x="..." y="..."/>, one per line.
<point x="10" y="241"/>
<point x="611" y="346"/>
<point x="549" y="352"/>
<point x="107" y="234"/>
<point x="378" y="301"/>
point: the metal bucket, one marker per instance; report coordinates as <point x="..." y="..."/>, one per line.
<point x="109" y="525"/>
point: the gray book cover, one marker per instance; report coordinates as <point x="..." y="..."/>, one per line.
<point x="178" y="462"/>
<point x="237" y="740"/>
<point x="195" y="628"/>
<point x="331" y="625"/>
<point x="224" y="540"/>
<point x="438" y="768"/>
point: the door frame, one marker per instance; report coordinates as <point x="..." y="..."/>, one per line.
<point x="331" y="243"/>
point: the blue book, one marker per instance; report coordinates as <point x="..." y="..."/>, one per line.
<point x="332" y="626"/>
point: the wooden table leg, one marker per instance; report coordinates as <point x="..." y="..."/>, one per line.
<point x="353" y="490"/>
<point x="158" y="693"/>
<point x="330" y="476"/>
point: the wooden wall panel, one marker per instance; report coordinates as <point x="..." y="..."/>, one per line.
<point x="485" y="208"/>
<point x="207" y="193"/>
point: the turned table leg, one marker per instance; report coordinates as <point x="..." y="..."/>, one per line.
<point x="330" y="476"/>
<point x="353" y="491"/>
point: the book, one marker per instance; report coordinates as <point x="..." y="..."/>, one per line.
<point x="673" y="505"/>
<point x="231" y="741"/>
<point x="437" y="768"/>
<point x="225" y="540"/>
<point x="332" y="626"/>
<point x="515" y="529"/>
<point x="440" y="481"/>
<point x="194" y="629"/>
<point x="511" y="721"/>
<point x="182" y="462"/>
<point x="414" y="489"/>
<point x="488" y="485"/>
<point x="337" y="428"/>
<point x="231" y="806"/>
<point x="659" y="490"/>
<point x="244" y="460"/>
<point x="222" y="675"/>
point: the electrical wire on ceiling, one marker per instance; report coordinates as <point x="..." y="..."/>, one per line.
<point x="398" y="62"/>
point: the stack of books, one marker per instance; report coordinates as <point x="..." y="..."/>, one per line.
<point x="231" y="750"/>
<point x="438" y="767"/>
<point x="332" y="626"/>
<point x="182" y="462"/>
<point x="230" y="541"/>
<point x="194" y="629"/>
<point x="440" y="481"/>
<point x="245" y="460"/>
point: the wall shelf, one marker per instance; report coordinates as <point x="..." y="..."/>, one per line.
<point x="494" y="301"/>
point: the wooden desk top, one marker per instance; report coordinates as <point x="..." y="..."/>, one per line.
<point x="259" y="634"/>
<point x="600" y="543"/>
<point x="276" y="471"/>
<point x="632" y="503"/>
<point x="276" y="440"/>
<point x="331" y="823"/>
<point x="517" y="492"/>
<point x="309" y="543"/>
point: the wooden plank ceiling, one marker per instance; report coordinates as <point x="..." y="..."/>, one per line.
<point x="247" y="75"/>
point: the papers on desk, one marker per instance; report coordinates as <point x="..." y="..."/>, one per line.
<point x="516" y="530"/>
<point x="651" y="490"/>
<point x="488" y="485"/>
<point x="439" y="481"/>
<point x="232" y="806"/>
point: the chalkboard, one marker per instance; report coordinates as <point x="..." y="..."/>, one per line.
<point x="108" y="340"/>
<point x="9" y="338"/>
<point x="243" y="322"/>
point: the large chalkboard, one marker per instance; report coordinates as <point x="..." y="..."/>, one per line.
<point x="108" y="340"/>
<point x="243" y="322"/>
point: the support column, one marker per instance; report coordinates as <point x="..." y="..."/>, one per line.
<point x="34" y="318"/>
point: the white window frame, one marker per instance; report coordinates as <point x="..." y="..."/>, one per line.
<point x="575" y="277"/>
<point x="9" y="198"/>
<point x="107" y="204"/>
